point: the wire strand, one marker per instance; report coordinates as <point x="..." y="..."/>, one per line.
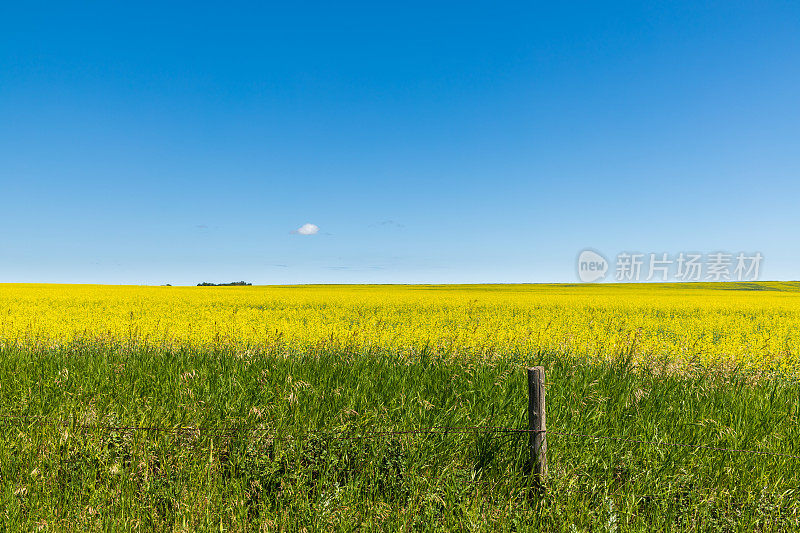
<point x="442" y="430"/>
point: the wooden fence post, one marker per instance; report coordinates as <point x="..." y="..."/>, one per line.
<point x="536" y="423"/>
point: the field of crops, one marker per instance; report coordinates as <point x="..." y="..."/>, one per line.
<point x="670" y="407"/>
<point x="752" y="325"/>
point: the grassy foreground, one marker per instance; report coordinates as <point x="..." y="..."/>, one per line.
<point x="278" y="465"/>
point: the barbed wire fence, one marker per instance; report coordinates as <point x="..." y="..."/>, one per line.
<point x="536" y="432"/>
<point x="442" y="430"/>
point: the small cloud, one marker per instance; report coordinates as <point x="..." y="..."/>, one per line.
<point x="307" y="229"/>
<point x="201" y="226"/>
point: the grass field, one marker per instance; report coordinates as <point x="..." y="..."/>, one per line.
<point x="225" y="408"/>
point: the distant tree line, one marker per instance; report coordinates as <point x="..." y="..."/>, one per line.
<point x="231" y="284"/>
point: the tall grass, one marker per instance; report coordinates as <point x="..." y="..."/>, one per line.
<point x="280" y="463"/>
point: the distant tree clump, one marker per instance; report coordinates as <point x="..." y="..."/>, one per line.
<point x="231" y="284"/>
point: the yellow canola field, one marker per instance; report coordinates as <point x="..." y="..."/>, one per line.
<point x="755" y="325"/>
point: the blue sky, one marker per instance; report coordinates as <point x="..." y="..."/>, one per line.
<point x="442" y="143"/>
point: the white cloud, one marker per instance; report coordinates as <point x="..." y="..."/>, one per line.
<point x="307" y="229"/>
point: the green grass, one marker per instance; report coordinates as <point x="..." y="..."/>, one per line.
<point x="68" y="477"/>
